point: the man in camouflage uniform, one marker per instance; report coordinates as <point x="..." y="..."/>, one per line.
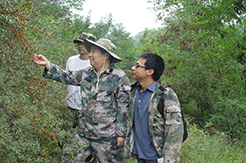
<point x="105" y="98"/>
<point x="156" y="132"/>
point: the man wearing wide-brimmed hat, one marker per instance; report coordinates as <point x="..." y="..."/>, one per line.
<point x="77" y="62"/>
<point x="105" y="95"/>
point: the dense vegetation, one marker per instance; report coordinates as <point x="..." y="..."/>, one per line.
<point x="202" y="42"/>
<point x="205" y="44"/>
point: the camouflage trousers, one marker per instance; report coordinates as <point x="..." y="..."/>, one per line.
<point x="79" y="148"/>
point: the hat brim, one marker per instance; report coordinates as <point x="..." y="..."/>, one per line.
<point x="78" y="40"/>
<point x="88" y="43"/>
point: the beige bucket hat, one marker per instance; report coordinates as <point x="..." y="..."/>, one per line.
<point x="105" y="44"/>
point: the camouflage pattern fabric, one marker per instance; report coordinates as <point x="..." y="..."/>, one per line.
<point x="105" y="100"/>
<point x="84" y="36"/>
<point x="80" y="148"/>
<point x="167" y="132"/>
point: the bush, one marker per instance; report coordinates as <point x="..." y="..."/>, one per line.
<point x="202" y="147"/>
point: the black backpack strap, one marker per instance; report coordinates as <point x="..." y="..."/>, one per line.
<point x="161" y="102"/>
<point x="185" y="136"/>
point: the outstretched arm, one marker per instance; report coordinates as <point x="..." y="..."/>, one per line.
<point x="41" y="60"/>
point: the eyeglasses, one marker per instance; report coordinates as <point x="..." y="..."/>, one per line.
<point x="137" y="66"/>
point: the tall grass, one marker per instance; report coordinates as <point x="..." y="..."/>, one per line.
<point x="201" y="147"/>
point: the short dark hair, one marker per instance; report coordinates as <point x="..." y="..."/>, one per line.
<point x="104" y="51"/>
<point x="153" y="61"/>
<point x="101" y="50"/>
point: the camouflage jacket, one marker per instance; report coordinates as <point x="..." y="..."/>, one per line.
<point x="105" y="100"/>
<point x="166" y="132"/>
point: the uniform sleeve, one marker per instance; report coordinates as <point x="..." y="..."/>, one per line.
<point x="122" y="102"/>
<point x="173" y="128"/>
<point x="66" y="77"/>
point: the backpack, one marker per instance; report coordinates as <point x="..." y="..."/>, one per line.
<point x="161" y="111"/>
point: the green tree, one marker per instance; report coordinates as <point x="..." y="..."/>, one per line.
<point x="125" y="48"/>
<point x="200" y="44"/>
<point x="35" y="123"/>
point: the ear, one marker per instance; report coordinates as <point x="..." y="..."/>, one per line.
<point x="106" y="55"/>
<point x="150" y="72"/>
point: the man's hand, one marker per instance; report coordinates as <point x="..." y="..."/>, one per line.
<point x="120" y="142"/>
<point x="41" y="60"/>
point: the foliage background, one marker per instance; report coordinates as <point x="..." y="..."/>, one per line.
<point x="202" y="43"/>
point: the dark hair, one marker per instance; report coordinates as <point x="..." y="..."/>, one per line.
<point x="153" y="61"/>
<point x="104" y="51"/>
<point x="101" y="50"/>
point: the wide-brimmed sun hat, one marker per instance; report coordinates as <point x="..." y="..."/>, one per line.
<point x="83" y="36"/>
<point x="105" y="44"/>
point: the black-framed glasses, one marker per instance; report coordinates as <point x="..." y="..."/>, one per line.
<point x="137" y="66"/>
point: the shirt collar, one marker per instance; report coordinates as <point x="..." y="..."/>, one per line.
<point x="151" y="87"/>
<point x="107" y="71"/>
<point x="110" y="68"/>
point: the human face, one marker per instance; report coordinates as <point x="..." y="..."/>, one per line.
<point x="138" y="70"/>
<point x="81" y="48"/>
<point x="97" y="59"/>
